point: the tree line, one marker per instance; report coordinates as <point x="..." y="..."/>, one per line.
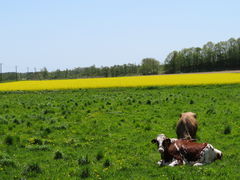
<point x="224" y="55"/>
<point x="148" y="66"/>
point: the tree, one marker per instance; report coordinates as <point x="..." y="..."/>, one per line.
<point x="232" y="53"/>
<point x="177" y="62"/>
<point x="57" y="74"/>
<point x="149" y="66"/>
<point x="220" y="56"/>
<point x="44" y="73"/>
<point x="208" y="55"/>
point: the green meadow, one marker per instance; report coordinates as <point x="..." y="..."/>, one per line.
<point x="107" y="133"/>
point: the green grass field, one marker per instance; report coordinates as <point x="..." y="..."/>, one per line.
<point x="107" y="133"/>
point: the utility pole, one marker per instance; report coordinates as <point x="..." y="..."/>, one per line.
<point x="1" y="75"/>
<point x="35" y="73"/>
<point x="16" y="68"/>
<point x="27" y="73"/>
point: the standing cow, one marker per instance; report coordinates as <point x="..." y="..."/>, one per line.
<point x="187" y="126"/>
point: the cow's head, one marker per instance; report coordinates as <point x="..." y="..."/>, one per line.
<point x="166" y="143"/>
<point x="159" y="141"/>
<point x="218" y="154"/>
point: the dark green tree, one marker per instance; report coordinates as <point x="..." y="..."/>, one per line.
<point x="224" y="55"/>
<point x="149" y="66"/>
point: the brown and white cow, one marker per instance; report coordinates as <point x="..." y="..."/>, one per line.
<point x="159" y="141"/>
<point x="182" y="151"/>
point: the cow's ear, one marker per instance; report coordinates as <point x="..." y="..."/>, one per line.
<point x="195" y="115"/>
<point x="154" y="141"/>
<point x="166" y="142"/>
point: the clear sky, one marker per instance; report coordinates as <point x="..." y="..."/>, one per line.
<point x="78" y="33"/>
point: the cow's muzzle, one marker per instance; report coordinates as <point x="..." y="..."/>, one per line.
<point x="219" y="156"/>
<point x="161" y="150"/>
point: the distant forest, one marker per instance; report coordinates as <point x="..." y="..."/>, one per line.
<point x="224" y="55"/>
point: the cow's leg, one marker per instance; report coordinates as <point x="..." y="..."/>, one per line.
<point x="160" y="162"/>
<point x="178" y="160"/>
<point x="174" y="163"/>
<point x="198" y="164"/>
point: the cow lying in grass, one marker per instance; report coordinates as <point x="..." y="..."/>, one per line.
<point x="181" y="151"/>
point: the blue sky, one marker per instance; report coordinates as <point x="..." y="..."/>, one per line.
<point x="78" y="33"/>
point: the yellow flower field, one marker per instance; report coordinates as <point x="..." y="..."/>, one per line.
<point x="136" y="81"/>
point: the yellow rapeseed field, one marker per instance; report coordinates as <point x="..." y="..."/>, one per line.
<point x="135" y="81"/>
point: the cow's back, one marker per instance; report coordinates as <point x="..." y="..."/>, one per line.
<point x="191" y="151"/>
<point x="187" y="126"/>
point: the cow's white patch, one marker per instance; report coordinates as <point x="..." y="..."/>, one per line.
<point x="160" y="149"/>
<point x="174" y="163"/>
<point x="209" y="154"/>
<point x="160" y="138"/>
<point x="176" y="146"/>
<point x="197" y="164"/>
